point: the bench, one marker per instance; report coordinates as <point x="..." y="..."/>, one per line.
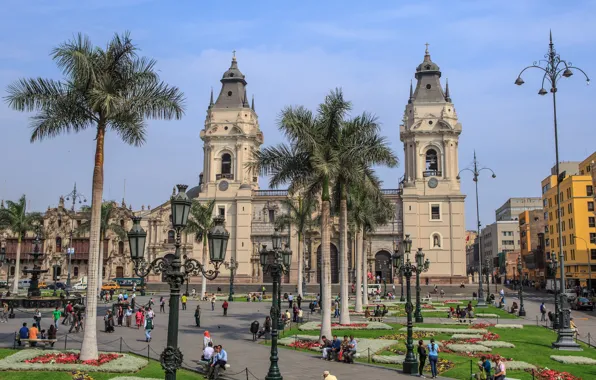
<point x="376" y="319"/>
<point x="426" y="300"/>
<point x="205" y="365"/>
<point x="44" y="341"/>
<point x="463" y="320"/>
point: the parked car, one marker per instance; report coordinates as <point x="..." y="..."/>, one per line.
<point x="57" y="286"/>
<point x="79" y="286"/>
<point x="3" y="284"/>
<point x="582" y="303"/>
<point x="570" y="294"/>
<point x="110" y="285"/>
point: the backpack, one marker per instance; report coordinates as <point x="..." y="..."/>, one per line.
<point x="149" y="325"/>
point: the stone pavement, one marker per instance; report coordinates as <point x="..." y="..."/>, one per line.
<point x="232" y="332"/>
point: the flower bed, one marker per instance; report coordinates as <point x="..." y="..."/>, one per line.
<point x="403" y="336"/>
<point x="507" y="326"/>
<point x="551" y="374"/>
<point x="389" y="359"/>
<point x="38" y="360"/>
<point x="483" y="315"/>
<point x="456" y="347"/>
<point x="313" y="326"/>
<point x="516" y="365"/>
<point x="305" y="344"/>
<point x="445" y="330"/>
<point x="452" y="302"/>
<point x="573" y="359"/>
<point x="466" y="336"/>
<point x="482" y="325"/>
<point x="497" y="344"/>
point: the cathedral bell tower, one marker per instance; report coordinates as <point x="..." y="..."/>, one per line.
<point x="433" y="206"/>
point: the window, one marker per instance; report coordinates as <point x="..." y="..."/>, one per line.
<point x="589" y="190"/>
<point x="545" y="215"/>
<point x="565" y="256"/>
<point x="12" y="271"/>
<point x="551" y="229"/>
<point x="571" y="239"/>
<point x="544" y="202"/>
<point x="103" y="272"/>
<point x="550" y="202"/>
<point x="569" y="193"/>
<point x="271" y="216"/>
<point x="560" y="197"/>
<point x="592" y="238"/>
<point x="564" y="241"/>
<point x="58" y="244"/>
<point x="431" y="160"/>
<point x="59" y="222"/>
<point x="171" y="237"/>
<point x="435" y="212"/>
<point x="563" y="226"/>
<point x="221" y="211"/>
<point x="76" y="271"/>
<point x="570" y="223"/>
<point x="79" y="223"/>
<point x="550" y="216"/>
<point x="593" y="254"/>
<point x="226" y="164"/>
<point x="122" y="223"/>
<point x="590" y="206"/>
<point x="569" y="208"/>
<point x="573" y="254"/>
<point x="562" y="211"/>
<point x="121" y="248"/>
<point x="507" y="242"/>
<point x="591" y="221"/>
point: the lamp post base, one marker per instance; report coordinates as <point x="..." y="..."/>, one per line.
<point x="522" y="312"/>
<point x="410" y="366"/>
<point x="418" y="319"/>
<point x="565" y="341"/>
<point x="481" y="303"/>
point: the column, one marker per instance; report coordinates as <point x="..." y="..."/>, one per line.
<point x="236" y="163"/>
<point x="446" y="159"/>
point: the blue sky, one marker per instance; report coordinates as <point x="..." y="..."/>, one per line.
<point x="294" y="53"/>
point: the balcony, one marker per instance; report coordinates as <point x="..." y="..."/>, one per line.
<point x="224" y="176"/>
<point x="432" y="173"/>
<point x="270" y="193"/>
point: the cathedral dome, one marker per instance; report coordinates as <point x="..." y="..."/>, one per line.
<point x="427" y="65"/>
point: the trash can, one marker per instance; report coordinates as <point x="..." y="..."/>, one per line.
<point x="254" y="329"/>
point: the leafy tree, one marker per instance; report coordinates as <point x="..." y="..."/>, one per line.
<point x="104" y="89"/>
<point x="18" y="222"/>
<point x="199" y="223"/>
<point x="108" y="214"/>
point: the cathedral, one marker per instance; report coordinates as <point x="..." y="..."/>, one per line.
<point x="429" y="203"/>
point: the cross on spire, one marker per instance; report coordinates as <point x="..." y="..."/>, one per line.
<point x="426" y="51"/>
<point x="234" y="55"/>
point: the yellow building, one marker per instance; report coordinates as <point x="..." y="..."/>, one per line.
<point x="578" y="221"/>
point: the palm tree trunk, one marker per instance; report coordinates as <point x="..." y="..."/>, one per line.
<point x="17" y="267"/>
<point x="325" y="271"/>
<point x="100" y="263"/>
<point x="300" y="265"/>
<point x="364" y="272"/>
<point x="358" y="307"/>
<point x="89" y="346"/>
<point x="344" y="316"/>
<point x="204" y="280"/>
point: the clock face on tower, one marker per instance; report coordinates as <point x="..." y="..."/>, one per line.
<point x="223" y="185"/>
<point x="432" y="183"/>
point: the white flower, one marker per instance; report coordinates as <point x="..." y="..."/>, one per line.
<point x="487" y="315"/>
<point x="497" y="344"/>
<point x="573" y="359"/>
<point x="508" y="326"/>
<point x="515" y="365"/>
<point x="316" y="325"/>
<point x="466" y="336"/>
<point x="447" y="330"/>
<point x="468" y="348"/>
<point x="388" y="359"/>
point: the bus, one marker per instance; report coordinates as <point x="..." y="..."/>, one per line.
<point x="128" y="282"/>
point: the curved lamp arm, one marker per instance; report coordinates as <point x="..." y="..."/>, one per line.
<point x="194" y="268"/>
<point x="142" y="268"/>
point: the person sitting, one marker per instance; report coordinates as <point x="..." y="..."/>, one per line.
<point x="485" y="369"/>
<point x="335" y="348"/>
<point x="384" y="311"/>
<point x="219" y="362"/>
<point x="23" y="333"/>
<point x="462" y="285"/>
<point x="352" y="349"/>
<point x="33" y="335"/>
<point x="451" y="313"/>
<point x="52" y="333"/>
<point x="458" y="311"/>
<point x="344" y="348"/>
<point x="367" y="313"/>
<point x="378" y="312"/>
<point x="514" y="308"/>
<point x="208" y="352"/>
<point x="266" y="327"/>
<point x="326" y="347"/>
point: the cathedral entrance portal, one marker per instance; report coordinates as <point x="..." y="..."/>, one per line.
<point x="334" y="264"/>
<point x="383" y="266"/>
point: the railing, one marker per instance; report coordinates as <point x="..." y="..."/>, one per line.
<point x="224" y="176"/>
<point x="391" y="191"/>
<point x="432" y="173"/>
<point x="270" y="193"/>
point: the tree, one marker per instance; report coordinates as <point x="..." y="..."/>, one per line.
<point x="360" y="147"/>
<point x="300" y="215"/>
<point x="109" y="88"/>
<point x="199" y="223"/>
<point x="108" y="214"/>
<point x="18" y="221"/>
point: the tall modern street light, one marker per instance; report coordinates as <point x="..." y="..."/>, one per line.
<point x="553" y="69"/>
<point x="552" y="266"/>
<point x="232" y="266"/>
<point x="419" y="270"/>
<point x="410" y="364"/>
<point x="171" y="357"/>
<point x="589" y="283"/>
<point x="476" y="173"/>
<point x="522" y="311"/>
<point x="277" y="262"/>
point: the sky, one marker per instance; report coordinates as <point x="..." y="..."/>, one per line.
<point x="293" y="53"/>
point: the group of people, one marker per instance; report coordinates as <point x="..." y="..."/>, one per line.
<point x="215" y="356"/>
<point x="339" y="350"/>
<point x="486" y="369"/>
<point x="35" y="333"/>
<point x="430" y="351"/>
<point x="461" y="312"/>
<point x="378" y="313"/>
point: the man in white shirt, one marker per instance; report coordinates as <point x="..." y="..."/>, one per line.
<point x="208" y="352"/>
<point x="290" y="300"/>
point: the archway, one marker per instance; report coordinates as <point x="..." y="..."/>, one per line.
<point x="383" y="268"/>
<point x="119" y="271"/>
<point x="334" y="264"/>
<point x="169" y="257"/>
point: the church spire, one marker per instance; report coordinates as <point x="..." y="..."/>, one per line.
<point x="232" y="94"/>
<point x="447" y="97"/>
<point x="245" y="99"/>
<point x="411" y="93"/>
<point x="428" y="86"/>
<point x="252" y="103"/>
<point x="211" y="99"/>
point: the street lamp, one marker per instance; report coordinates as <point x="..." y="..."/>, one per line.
<point x="554" y="68"/>
<point x="476" y="173"/>
<point x="487" y="272"/>
<point x="589" y="283"/>
<point x="522" y="311"/>
<point x="410" y="365"/>
<point x="171" y="357"/>
<point x="276" y="262"/>
<point x="232" y="266"/>
<point x="553" y="265"/>
<point x="421" y="266"/>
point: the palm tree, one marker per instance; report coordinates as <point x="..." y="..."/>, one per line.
<point x="109" y="88"/>
<point x="18" y="221"/>
<point x="300" y="215"/>
<point x="108" y="214"/>
<point x="360" y="147"/>
<point x="199" y="223"/>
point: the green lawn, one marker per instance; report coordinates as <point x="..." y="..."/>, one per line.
<point x="532" y="345"/>
<point x="153" y="370"/>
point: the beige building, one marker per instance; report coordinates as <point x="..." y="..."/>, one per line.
<point x="511" y="209"/>
<point x="500" y="237"/>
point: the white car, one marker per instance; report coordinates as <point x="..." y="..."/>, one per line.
<point x="79" y="287"/>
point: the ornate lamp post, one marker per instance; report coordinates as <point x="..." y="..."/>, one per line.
<point x="554" y="68"/>
<point x="171" y="357"/>
<point x="276" y="262"/>
<point x="232" y="266"/>
<point x="553" y="265"/>
<point x="476" y="173"/>
<point x="421" y="266"/>
<point x="522" y="311"/>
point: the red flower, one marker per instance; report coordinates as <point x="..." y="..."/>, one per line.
<point x="304" y="344"/>
<point x="72" y="358"/>
<point x="481" y="325"/>
<point x="348" y="325"/>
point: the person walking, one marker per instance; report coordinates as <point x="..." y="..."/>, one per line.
<point x="290" y="301"/>
<point x="4" y="316"/>
<point x="213" y="302"/>
<point x="139" y="318"/>
<point x="542" y="312"/>
<point x="198" y="316"/>
<point x="128" y="316"/>
<point x="299" y="301"/>
<point x="73" y="322"/>
<point x="225" y="308"/>
<point x="37" y="317"/>
<point x="120" y="314"/>
<point x="433" y="357"/>
<point x="421" y="357"/>
<point x="148" y="327"/>
<point x="67" y="312"/>
<point x="56" y="315"/>
<point x="162" y="305"/>
<point x="183" y="299"/>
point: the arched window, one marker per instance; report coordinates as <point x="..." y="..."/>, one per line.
<point x="122" y="223"/>
<point x="76" y="271"/>
<point x="121" y="248"/>
<point x="58" y="244"/>
<point x="431" y="160"/>
<point x="171" y="237"/>
<point x="226" y="164"/>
